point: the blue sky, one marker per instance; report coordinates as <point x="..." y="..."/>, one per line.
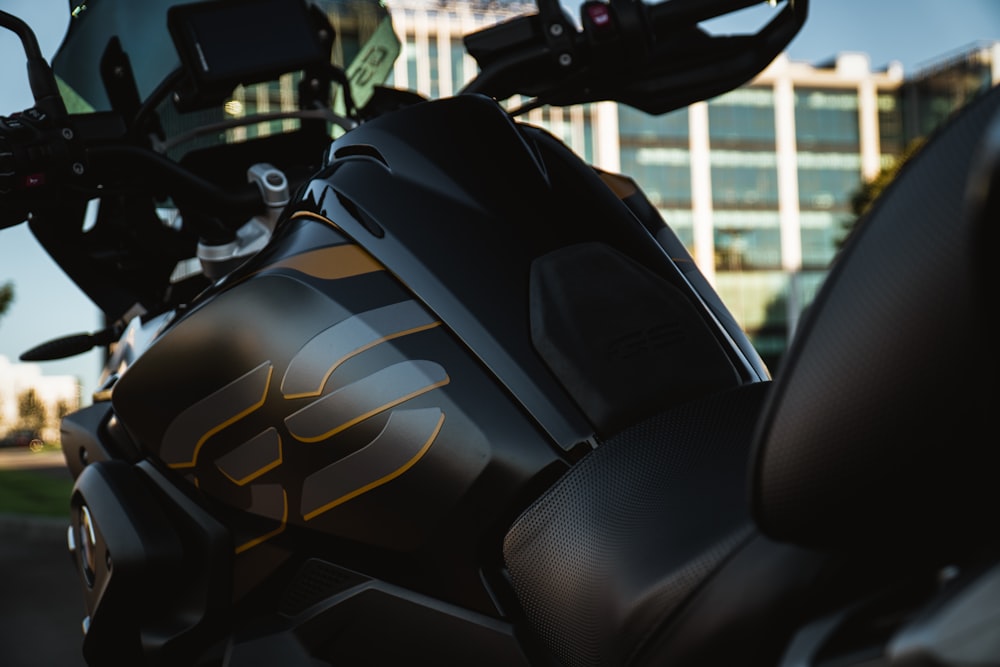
<point x="47" y="304"/>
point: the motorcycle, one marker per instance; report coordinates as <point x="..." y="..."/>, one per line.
<point x="402" y="379"/>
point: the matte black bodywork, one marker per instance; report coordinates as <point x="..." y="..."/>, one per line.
<point x="332" y="440"/>
<point x="386" y="377"/>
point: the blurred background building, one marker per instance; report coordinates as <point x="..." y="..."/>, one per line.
<point x="32" y="402"/>
<point x="759" y="183"/>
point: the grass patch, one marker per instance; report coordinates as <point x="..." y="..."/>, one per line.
<point x="28" y="492"/>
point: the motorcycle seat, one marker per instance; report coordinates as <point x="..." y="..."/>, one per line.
<point x="645" y="551"/>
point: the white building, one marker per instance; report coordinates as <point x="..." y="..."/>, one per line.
<point x="55" y="392"/>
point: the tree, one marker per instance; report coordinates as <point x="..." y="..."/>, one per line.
<point x="63" y="408"/>
<point x="6" y="296"/>
<point x="31" y="411"/>
<point x="865" y="196"/>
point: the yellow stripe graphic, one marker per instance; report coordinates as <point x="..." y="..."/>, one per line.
<point x="266" y="536"/>
<point x="342" y="261"/>
<point x="232" y="420"/>
<point x="373" y="411"/>
<point x="382" y="480"/>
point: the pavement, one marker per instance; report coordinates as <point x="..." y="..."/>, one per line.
<point x="41" y="605"/>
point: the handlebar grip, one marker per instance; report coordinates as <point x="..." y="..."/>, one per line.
<point x="25" y="151"/>
<point x="38" y="153"/>
<point x="34" y="153"/>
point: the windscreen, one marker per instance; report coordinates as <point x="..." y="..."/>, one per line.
<point x="140" y="32"/>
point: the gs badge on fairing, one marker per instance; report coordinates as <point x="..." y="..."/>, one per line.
<point x="313" y="390"/>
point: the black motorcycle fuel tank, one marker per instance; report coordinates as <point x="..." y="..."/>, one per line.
<point x="531" y="258"/>
<point x="386" y="375"/>
<point x="317" y="398"/>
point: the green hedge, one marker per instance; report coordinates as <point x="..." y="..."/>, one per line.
<point x="34" y="493"/>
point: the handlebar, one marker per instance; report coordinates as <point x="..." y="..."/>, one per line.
<point x="654" y="57"/>
<point x="40" y="152"/>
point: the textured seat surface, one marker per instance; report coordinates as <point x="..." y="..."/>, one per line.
<point x="606" y="561"/>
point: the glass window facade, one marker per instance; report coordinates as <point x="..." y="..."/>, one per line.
<point x="744" y="179"/>
<point x="827" y="137"/>
<point x="826" y="120"/>
<point x="821" y="232"/>
<point x="929" y="99"/>
<point x="827" y="181"/>
<point x="435" y="68"/>
<point x="410" y="53"/>
<point x="890" y="126"/>
<point x="654" y="151"/>
<point x="742" y="118"/>
<point x="663" y="173"/>
<point x="746" y="240"/>
<point x="458" y="74"/>
<point x="759" y="302"/>
<point x="682" y="222"/>
<point x="670" y="128"/>
<point x="744" y="176"/>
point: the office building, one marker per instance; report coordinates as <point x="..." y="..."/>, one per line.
<point x="757" y="182"/>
